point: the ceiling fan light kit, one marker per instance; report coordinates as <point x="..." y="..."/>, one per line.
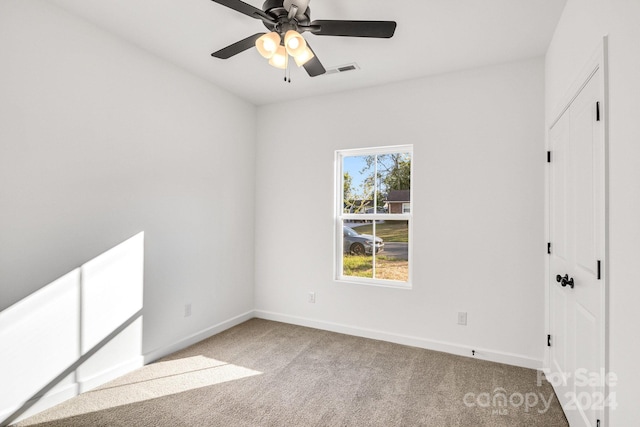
<point x="286" y="20"/>
<point x="270" y="47"/>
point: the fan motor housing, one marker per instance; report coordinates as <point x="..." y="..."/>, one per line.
<point x="276" y="9"/>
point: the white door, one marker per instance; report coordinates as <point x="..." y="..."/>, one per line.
<point x="576" y="229"/>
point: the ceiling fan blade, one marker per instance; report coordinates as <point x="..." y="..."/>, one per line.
<point x="313" y="66"/>
<point x="245" y="8"/>
<point x="237" y="47"/>
<point x="378" y="29"/>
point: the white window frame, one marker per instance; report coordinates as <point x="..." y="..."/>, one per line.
<point x="340" y="216"/>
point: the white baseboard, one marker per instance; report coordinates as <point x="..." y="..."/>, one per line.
<point x="446" y="347"/>
<point x="198" y="336"/>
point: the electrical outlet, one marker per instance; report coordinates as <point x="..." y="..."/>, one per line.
<point x="187" y="310"/>
<point x="311" y="297"/>
<point x="462" y="318"/>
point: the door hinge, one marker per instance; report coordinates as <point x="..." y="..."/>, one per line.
<point x="599" y="270"/>
<point x="548" y="340"/>
<point x="548" y="156"/>
<point x="549" y="248"/>
<point x="597" y="111"/>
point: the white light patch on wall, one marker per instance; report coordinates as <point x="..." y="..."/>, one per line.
<point x="39" y="339"/>
<point x="112" y="290"/>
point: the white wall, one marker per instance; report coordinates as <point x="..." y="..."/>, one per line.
<point x="479" y="211"/>
<point x="579" y="32"/>
<point x="100" y="140"/>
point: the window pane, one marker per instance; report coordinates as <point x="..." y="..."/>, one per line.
<point x="394" y="183"/>
<point x="358" y="184"/>
<point x="357" y="259"/>
<point x="393" y="262"/>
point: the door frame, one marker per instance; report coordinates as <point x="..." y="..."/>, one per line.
<point x="597" y="62"/>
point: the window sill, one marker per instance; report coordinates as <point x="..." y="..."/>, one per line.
<point x="407" y="286"/>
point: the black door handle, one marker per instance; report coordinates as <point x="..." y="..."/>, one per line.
<point x="564" y="281"/>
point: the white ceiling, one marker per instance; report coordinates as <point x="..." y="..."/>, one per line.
<point x="432" y="37"/>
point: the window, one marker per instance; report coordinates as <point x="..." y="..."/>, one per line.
<point x="374" y="215"/>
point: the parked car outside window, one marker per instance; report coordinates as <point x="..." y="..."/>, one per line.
<point x="360" y="244"/>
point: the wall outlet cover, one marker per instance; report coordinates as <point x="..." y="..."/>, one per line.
<point x="462" y="318"/>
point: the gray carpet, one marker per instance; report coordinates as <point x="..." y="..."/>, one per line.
<point x="264" y="373"/>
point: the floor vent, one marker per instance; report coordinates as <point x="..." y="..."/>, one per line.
<point x="343" y="68"/>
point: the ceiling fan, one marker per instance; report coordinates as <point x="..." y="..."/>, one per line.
<point x="286" y="20"/>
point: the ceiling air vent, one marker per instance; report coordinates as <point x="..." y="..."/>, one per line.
<point x="343" y="68"/>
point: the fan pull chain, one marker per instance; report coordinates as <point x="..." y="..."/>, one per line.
<point x="287" y="71"/>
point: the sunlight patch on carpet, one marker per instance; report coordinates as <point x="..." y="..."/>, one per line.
<point x="153" y="381"/>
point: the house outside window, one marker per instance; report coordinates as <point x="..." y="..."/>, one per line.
<point x="374" y="216"/>
<point x="399" y="201"/>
